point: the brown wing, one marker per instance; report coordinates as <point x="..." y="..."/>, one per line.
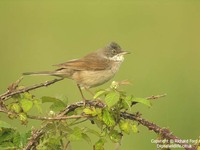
<point x="86" y="63"/>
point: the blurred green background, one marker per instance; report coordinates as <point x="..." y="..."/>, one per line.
<point x="163" y="36"/>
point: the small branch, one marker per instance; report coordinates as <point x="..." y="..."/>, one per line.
<point x="34" y="140"/>
<point x="74" y="106"/>
<point x="153" y="97"/>
<point x="165" y="133"/>
<point x="59" y="117"/>
<point x="36" y="135"/>
<point x="12" y="92"/>
<point x="156" y="97"/>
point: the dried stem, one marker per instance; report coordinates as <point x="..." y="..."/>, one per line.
<point x="15" y="91"/>
<point x="59" y="117"/>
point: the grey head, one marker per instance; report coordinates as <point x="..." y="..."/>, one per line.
<point x="113" y="50"/>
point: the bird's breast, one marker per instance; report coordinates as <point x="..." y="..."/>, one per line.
<point x="95" y="78"/>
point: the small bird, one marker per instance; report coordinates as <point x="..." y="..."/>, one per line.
<point x="91" y="70"/>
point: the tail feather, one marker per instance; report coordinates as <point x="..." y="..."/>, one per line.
<point x="39" y="73"/>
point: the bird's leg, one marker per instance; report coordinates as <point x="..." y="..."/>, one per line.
<point x="84" y="100"/>
<point x="89" y="91"/>
<point x="98" y="100"/>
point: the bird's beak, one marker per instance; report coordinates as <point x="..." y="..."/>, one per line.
<point x="124" y="52"/>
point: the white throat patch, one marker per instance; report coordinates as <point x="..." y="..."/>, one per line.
<point x="118" y="57"/>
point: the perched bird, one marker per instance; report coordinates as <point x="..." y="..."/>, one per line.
<point x="91" y="70"/>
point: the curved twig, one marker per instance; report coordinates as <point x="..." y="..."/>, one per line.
<point x="12" y="92"/>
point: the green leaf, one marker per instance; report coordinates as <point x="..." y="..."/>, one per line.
<point x="99" y="93"/>
<point x="135" y="129"/>
<point x="98" y="122"/>
<point x="27" y="95"/>
<point x="127" y="101"/>
<point x="4" y="124"/>
<point x="17" y="139"/>
<point x="86" y="137"/>
<point x="15" y="107"/>
<point x="142" y="101"/>
<point x="63" y="98"/>
<point x="115" y="136"/>
<point x="104" y="132"/>
<point x="20" y="139"/>
<point x="124" y="125"/>
<point x="90" y="111"/>
<point x="47" y="99"/>
<point x="112" y="98"/>
<point x="88" y="130"/>
<point x="6" y="134"/>
<point x="49" y="127"/>
<point x="75" y="135"/>
<point x="23" y="118"/>
<point x="37" y="103"/>
<point x="57" y="104"/>
<point x="26" y="104"/>
<point x="7" y="146"/>
<point x="108" y="119"/>
<point x="99" y="145"/>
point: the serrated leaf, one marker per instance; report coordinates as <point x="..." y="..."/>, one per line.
<point x="99" y="145"/>
<point x="23" y="117"/>
<point x="99" y="93"/>
<point x="124" y="125"/>
<point x="4" y="124"/>
<point x="20" y="139"/>
<point x="17" y="139"/>
<point x="142" y="101"/>
<point x="90" y="111"/>
<point x="7" y="146"/>
<point x="115" y="136"/>
<point x="134" y="128"/>
<point x="24" y="137"/>
<point x="112" y="98"/>
<point x="15" y="107"/>
<point x="104" y="132"/>
<point x="26" y="104"/>
<point x="126" y="102"/>
<point x="27" y="95"/>
<point x="108" y="119"/>
<point x="6" y="134"/>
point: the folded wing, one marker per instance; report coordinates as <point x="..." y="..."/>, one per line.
<point x="86" y="63"/>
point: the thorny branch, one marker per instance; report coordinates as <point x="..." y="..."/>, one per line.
<point x="165" y="133"/>
<point x="38" y="134"/>
<point x="12" y="89"/>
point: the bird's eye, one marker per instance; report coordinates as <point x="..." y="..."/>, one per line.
<point x="114" y="51"/>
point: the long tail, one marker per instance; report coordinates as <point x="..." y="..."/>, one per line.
<point x="51" y="73"/>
